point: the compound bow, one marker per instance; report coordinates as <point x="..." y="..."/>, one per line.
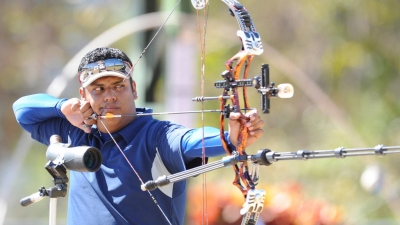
<point x="236" y="77"/>
<point x="251" y="46"/>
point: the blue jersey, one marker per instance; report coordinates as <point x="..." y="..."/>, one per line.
<point x="112" y="195"/>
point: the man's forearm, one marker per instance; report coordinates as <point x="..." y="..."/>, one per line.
<point x="33" y="109"/>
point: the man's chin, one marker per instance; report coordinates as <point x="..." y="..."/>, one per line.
<point x="110" y="124"/>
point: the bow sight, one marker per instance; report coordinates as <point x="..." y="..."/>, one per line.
<point x="260" y="82"/>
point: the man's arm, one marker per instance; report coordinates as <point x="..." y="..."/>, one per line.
<point x="41" y="115"/>
<point x="192" y="142"/>
<point x="33" y="109"/>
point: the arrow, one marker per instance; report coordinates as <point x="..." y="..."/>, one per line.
<point x="110" y="115"/>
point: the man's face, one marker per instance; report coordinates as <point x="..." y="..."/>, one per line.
<point x="111" y="95"/>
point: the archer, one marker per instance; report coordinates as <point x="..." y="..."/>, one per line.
<point x="134" y="149"/>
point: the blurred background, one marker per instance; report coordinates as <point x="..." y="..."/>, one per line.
<point x="342" y="57"/>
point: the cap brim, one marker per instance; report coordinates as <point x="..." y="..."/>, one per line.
<point x="102" y="74"/>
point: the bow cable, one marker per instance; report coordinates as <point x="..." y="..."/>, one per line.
<point x="114" y="93"/>
<point x="202" y="36"/>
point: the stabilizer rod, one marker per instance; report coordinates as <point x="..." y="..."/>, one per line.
<point x="266" y="157"/>
<point x="269" y="157"/>
<point x="164" y="180"/>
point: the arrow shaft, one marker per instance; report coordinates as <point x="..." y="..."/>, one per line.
<point x="109" y="115"/>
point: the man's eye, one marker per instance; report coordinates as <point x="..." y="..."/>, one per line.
<point x="98" y="89"/>
<point x="118" y="87"/>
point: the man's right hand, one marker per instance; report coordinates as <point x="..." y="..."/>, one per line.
<point x="77" y="112"/>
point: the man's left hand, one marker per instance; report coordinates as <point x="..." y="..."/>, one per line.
<point x="254" y="126"/>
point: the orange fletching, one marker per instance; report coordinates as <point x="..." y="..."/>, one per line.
<point x="109" y="116"/>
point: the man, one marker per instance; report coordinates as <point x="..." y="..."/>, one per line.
<point x="112" y="195"/>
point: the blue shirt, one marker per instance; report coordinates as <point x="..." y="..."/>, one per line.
<point x="112" y="195"/>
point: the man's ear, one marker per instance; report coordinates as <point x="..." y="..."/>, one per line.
<point x="82" y="92"/>
<point x="134" y="92"/>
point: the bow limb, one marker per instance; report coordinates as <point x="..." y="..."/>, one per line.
<point x="251" y="45"/>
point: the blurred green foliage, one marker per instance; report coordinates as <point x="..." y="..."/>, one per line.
<point x="348" y="50"/>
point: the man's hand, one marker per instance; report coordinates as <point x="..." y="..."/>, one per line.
<point x="78" y="113"/>
<point x="254" y="126"/>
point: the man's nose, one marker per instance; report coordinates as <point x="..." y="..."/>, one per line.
<point x="110" y="95"/>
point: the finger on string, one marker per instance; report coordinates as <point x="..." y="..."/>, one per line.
<point x="87" y="113"/>
<point x="89" y="121"/>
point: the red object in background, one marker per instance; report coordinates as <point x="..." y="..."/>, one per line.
<point x="284" y="205"/>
